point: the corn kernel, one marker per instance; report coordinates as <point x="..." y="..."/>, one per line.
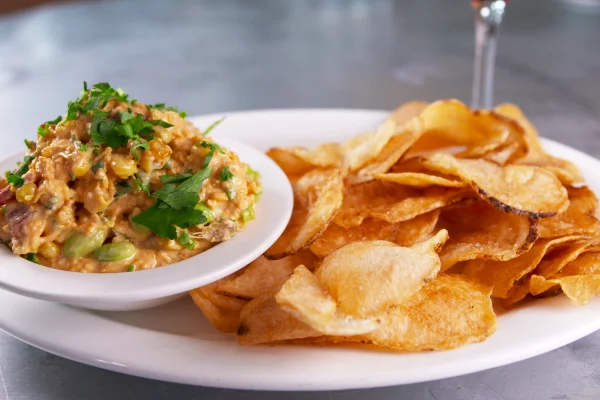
<point x="164" y="134"/>
<point x="159" y="149"/>
<point x="49" y="250"/>
<point x="173" y="245"/>
<point x="147" y="162"/>
<point x="123" y="166"/>
<point x="6" y="228"/>
<point x="203" y="151"/>
<point x="26" y="193"/>
<point x="81" y="166"/>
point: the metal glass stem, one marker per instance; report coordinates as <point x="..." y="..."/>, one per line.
<point x="488" y="16"/>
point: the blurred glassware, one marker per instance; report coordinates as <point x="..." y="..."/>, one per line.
<point x="488" y="16"/>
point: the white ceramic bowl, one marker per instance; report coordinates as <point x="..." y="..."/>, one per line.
<point x="149" y="288"/>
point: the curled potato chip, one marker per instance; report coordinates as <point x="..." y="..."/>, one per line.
<point x="222" y="312"/>
<point x="365" y="278"/>
<point x="448" y="312"/>
<point x="404" y="233"/>
<point x="578" y="288"/>
<point x="506" y="277"/>
<point x="318" y="196"/>
<point x="393" y="203"/>
<point x="363" y="148"/>
<point x="517" y="189"/>
<point x="296" y="161"/>
<point x="408" y="111"/>
<point x="262" y="320"/>
<point x="478" y="230"/>
<point x="418" y="179"/>
<point x="554" y="262"/>
<point x="578" y="219"/>
<point x="263" y="274"/>
<point x="564" y="170"/>
<point x="502" y="154"/>
<point x="304" y="298"/>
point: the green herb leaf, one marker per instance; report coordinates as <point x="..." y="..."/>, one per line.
<point x="162" y="123"/>
<point x="123" y="187"/>
<point x="162" y="219"/>
<point x="137" y="146"/>
<point x="29" y="144"/>
<point x="186" y="194"/>
<point x="15" y="178"/>
<point x="98" y="165"/>
<point x="131" y="268"/>
<point x="161" y="106"/>
<point x="44" y="128"/>
<point x="212" y="126"/>
<point x="141" y="185"/>
<point x="178" y="178"/>
<point x="226" y="174"/>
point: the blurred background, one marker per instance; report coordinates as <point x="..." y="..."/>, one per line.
<point x="221" y="55"/>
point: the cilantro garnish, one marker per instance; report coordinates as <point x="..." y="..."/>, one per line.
<point x="178" y="178"/>
<point x="162" y="219"/>
<point x="99" y="165"/>
<point x="136" y="146"/>
<point x="213" y="147"/>
<point x="226" y="174"/>
<point x="44" y="128"/>
<point x="131" y="268"/>
<point x="212" y="126"/>
<point x="141" y="185"/>
<point x="29" y="144"/>
<point x="186" y="194"/>
<point x="15" y="178"/>
<point x="186" y="240"/>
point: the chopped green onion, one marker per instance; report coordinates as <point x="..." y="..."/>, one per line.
<point x="252" y="174"/>
<point x="32" y="257"/>
<point x="99" y="165"/>
<point x="230" y="192"/>
<point x="206" y="211"/>
<point x="186" y="240"/>
<point x="131" y="268"/>
<point x="248" y="214"/>
<point x="226" y="174"/>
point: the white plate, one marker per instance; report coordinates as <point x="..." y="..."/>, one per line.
<point x="148" y="288"/>
<point x="175" y="343"/>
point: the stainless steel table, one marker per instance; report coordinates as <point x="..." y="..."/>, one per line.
<point x="207" y="56"/>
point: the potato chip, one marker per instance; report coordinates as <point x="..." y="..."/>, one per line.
<point x="408" y="111"/>
<point x="318" y="196"/>
<point x="304" y="298"/>
<point x="578" y="288"/>
<point x="263" y="274"/>
<point x="448" y="312"/>
<point x="503" y="276"/>
<point x="263" y="321"/>
<point x="503" y="154"/>
<point x="578" y="219"/>
<point x="296" y="161"/>
<point x="587" y="263"/>
<point x="364" y="278"/>
<point x="224" y="319"/>
<point x="363" y="148"/>
<point x="418" y="179"/>
<point x="554" y="262"/>
<point x="517" y="189"/>
<point x="478" y="230"/>
<point x="418" y="229"/>
<point x="393" y="203"/>
<point x="564" y="170"/>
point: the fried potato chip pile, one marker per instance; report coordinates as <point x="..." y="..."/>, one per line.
<point x="403" y="237"/>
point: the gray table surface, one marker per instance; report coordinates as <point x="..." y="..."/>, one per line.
<point x="208" y="56"/>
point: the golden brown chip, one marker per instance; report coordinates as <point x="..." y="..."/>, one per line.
<point x="578" y="219"/>
<point x="506" y="277"/>
<point x="393" y="203"/>
<point x="448" y="312"/>
<point x="579" y="288"/>
<point x="304" y="298"/>
<point x="223" y="314"/>
<point x="554" y="262"/>
<point x="408" y="111"/>
<point x="564" y="170"/>
<point x="502" y="154"/>
<point x="417" y="229"/>
<point x="263" y="321"/>
<point x="363" y="148"/>
<point x="517" y="189"/>
<point x="296" y="161"/>
<point x="419" y="179"/>
<point x="318" y="196"/>
<point x="365" y="278"/>
<point x="263" y="274"/>
<point x="587" y="263"/>
<point x="479" y="231"/>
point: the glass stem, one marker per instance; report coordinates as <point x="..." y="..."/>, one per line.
<point x="488" y="16"/>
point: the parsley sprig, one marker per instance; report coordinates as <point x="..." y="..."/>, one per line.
<point x="44" y="128"/>
<point x="15" y="178"/>
<point x="174" y="205"/>
<point x="162" y="106"/>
